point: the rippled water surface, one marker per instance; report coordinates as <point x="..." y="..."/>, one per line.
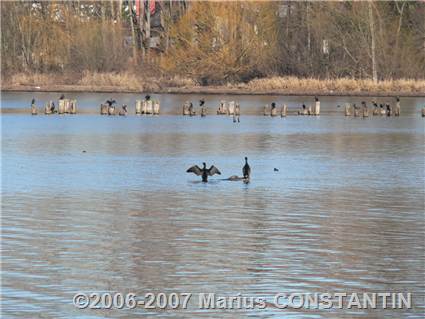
<point x="344" y="213"/>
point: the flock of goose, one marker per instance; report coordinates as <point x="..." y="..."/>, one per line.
<point x="150" y="106"/>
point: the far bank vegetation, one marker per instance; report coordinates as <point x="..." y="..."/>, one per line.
<point x="260" y="46"/>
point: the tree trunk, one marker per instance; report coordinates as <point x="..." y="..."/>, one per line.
<point x="373" y="45"/>
<point x="133" y="33"/>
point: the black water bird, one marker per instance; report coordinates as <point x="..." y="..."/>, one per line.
<point x="147" y="97"/>
<point x="246" y="169"/>
<point x="110" y="102"/>
<point x="204" y="171"/>
<point x="32" y="101"/>
<point x="275" y="169"/>
<point x="201" y="102"/>
<point x="62" y="97"/>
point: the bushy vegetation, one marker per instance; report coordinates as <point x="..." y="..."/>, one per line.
<point x="215" y="43"/>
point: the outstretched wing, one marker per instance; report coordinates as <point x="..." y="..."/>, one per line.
<point x="213" y="170"/>
<point x="195" y="169"/>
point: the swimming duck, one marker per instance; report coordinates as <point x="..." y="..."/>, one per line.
<point x="246" y="169"/>
<point x="204" y="171"/>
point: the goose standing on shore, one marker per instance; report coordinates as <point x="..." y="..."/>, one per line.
<point x="246" y="170"/>
<point x="204" y="171"/>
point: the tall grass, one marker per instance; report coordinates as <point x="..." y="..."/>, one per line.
<point x="334" y="85"/>
<point x="130" y="81"/>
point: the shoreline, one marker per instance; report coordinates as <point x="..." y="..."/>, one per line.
<point x="210" y="90"/>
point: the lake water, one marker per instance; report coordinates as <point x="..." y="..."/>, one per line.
<point x="343" y="213"/>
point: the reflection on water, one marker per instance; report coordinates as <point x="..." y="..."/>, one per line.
<point x="343" y="214"/>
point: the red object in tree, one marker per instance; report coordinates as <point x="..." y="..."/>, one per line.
<point x="152" y="6"/>
<point x="137" y="8"/>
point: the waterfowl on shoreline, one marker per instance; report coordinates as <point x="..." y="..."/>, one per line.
<point x="204" y="171"/>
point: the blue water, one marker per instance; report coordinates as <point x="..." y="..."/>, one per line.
<point x="344" y="213"/>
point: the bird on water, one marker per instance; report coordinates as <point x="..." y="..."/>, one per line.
<point x="204" y="171"/>
<point x="246" y="169"/>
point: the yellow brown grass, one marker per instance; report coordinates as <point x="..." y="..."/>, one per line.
<point x="295" y="84"/>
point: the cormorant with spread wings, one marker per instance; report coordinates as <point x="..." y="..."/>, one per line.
<point x="205" y="172"/>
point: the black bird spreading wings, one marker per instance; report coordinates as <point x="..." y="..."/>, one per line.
<point x="204" y="172"/>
